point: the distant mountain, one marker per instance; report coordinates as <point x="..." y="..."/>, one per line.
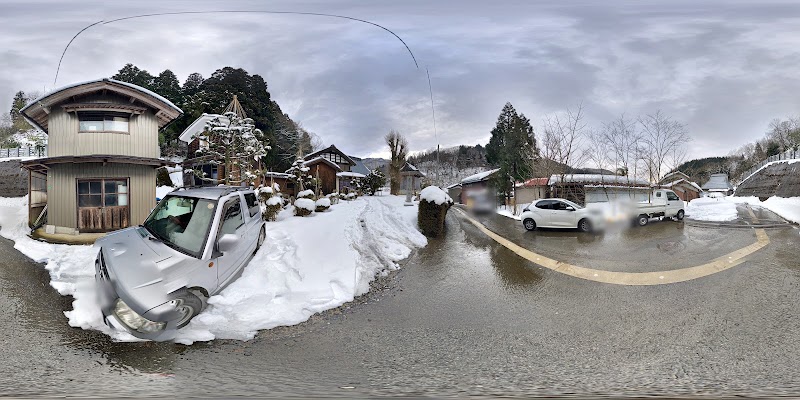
<point x="700" y="170"/>
<point x="375" y="163"/>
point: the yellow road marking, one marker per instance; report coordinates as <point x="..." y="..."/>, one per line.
<point x="752" y="215"/>
<point x="723" y="263"/>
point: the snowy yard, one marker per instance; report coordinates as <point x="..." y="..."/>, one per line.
<point x="724" y="208"/>
<point x="307" y="265"/>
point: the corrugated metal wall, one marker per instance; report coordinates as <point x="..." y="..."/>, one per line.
<point x="64" y="139"/>
<point x="62" y="189"/>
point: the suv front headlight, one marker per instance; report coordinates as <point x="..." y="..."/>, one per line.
<point x="133" y="320"/>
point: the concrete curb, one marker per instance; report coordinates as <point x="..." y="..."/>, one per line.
<point x="706" y="224"/>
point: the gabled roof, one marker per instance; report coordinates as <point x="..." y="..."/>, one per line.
<point x="321" y="159"/>
<point x="36" y="113"/>
<point x="684" y="181"/>
<point x="718" y="182"/>
<point x="410" y="170"/>
<point x="674" y="175"/>
<point x="479" y="177"/>
<point x="330" y="149"/>
<point x="359" y="167"/>
<point x="198" y="126"/>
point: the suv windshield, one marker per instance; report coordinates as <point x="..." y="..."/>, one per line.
<point x="182" y="223"/>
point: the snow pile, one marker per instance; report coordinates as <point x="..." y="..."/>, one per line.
<point x="274" y="201"/>
<point x="323" y="202"/>
<point x="306" y="204"/>
<point x="507" y="213"/>
<point x="351" y="195"/>
<point x="265" y="189"/>
<point x="787" y="207"/>
<point x="176" y="175"/>
<point x="433" y="194"/>
<point x="711" y="209"/>
<point x="306" y="193"/>
<point x="307" y="265"/>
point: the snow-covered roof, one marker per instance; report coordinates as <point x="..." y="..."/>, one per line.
<point x="199" y="125"/>
<point x="479" y="177"/>
<point x="276" y="175"/>
<point x="675" y="174"/>
<point x="455" y="185"/>
<point x="690" y="183"/>
<point x="718" y="182"/>
<point x="598" y="178"/>
<point x="37" y="110"/>
<point x="322" y="160"/>
<point x="347" y="174"/>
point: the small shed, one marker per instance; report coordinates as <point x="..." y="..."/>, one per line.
<point x="326" y="171"/>
<point x="454" y="191"/>
<point x="531" y="190"/>
<point x="411" y="184"/>
<point x="598" y="188"/>
<point x="476" y="185"/>
<point x="718" y="183"/>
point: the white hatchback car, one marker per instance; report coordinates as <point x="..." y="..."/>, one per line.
<point x="559" y="213"/>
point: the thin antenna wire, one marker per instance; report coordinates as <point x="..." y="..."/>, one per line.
<point x="231" y="12"/>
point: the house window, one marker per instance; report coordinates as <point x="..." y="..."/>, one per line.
<point x="103" y="193"/>
<point x="102" y="122"/>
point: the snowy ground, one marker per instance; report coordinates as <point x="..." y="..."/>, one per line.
<point x="307" y="265"/>
<point x="724" y="208"/>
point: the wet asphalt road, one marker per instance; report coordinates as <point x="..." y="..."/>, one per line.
<point x="464" y="316"/>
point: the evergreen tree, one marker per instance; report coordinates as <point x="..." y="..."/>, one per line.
<point x="372" y="182"/>
<point x="132" y="74"/>
<point x="234" y="144"/>
<point x="166" y="84"/>
<point x="18" y="123"/>
<point x="512" y="148"/>
<point x="192" y="84"/>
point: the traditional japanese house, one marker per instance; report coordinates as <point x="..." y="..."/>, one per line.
<point x="100" y="173"/>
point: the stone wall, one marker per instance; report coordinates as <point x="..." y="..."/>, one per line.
<point x="779" y="179"/>
<point x="13" y="179"/>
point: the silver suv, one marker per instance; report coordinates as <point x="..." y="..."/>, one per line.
<point x="155" y="277"/>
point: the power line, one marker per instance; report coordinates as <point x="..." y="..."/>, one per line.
<point x="103" y="22"/>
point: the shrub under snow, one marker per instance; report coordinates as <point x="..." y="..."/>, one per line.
<point x="433" y="206"/>
<point x="303" y="207"/>
<point x="323" y="204"/>
<point x="306" y="194"/>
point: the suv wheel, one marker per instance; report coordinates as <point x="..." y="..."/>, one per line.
<point x="188" y="306"/>
<point x="261" y="236"/>
<point x="680" y="215"/>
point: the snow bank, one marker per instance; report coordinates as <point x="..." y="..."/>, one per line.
<point x="307" y="265"/>
<point x="306" y="204"/>
<point x="433" y="194"/>
<point x="711" y="209"/>
<point x="724" y="208"/>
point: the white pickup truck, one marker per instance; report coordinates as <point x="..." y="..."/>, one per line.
<point x="664" y="203"/>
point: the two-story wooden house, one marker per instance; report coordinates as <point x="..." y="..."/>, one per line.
<point x="103" y="153"/>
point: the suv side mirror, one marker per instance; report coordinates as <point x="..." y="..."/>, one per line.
<point x="227" y="242"/>
<point x="570" y="208"/>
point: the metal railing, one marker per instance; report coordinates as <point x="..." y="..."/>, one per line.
<point x="27" y="151"/>
<point x="791" y="154"/>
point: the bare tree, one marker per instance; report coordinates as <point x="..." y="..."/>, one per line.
<point x="562" y="140"/>
<point x="623" y="141"/>
<point x="661" y="136"/>
<point x="398" y="147"/>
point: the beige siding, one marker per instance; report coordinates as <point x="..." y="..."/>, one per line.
<point x="62" y="189"/>
<point x="64" y="139"/>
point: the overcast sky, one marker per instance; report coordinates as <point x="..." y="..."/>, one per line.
<point x="725" y="69"/>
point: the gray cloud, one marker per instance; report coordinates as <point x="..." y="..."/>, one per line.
<point x="723" y="68"/>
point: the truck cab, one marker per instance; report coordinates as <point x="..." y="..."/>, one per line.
<point x="663" y="203"/>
